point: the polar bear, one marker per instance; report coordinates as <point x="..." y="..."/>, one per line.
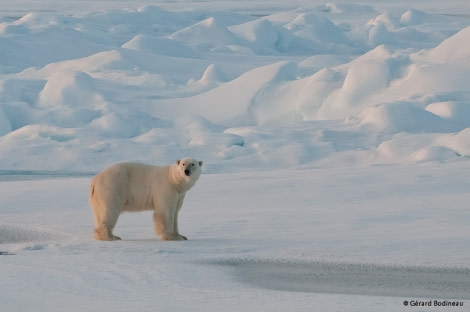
<point x="135" y="187"/>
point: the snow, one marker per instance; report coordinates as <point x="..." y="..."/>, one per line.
<point x="335" y="139"/>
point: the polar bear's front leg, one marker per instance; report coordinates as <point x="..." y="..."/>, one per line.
<point x="178" y="208"/>
<point x="181" y="237"/>
<point x="164" y="218"/>
<point x="164" y="225"/>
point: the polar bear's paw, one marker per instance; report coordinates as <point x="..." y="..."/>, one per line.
<point x="114" y="237"/>
<point x="104" y="235"/>
<point x="174" y="237"/>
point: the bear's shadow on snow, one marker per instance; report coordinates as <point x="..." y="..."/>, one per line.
<point x="353" y="279"/>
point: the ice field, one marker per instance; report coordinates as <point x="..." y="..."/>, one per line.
<point x="335" y="138"/>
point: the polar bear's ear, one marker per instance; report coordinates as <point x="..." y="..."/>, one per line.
<point x="178" y="162"/>
<point x="200" y="163"/>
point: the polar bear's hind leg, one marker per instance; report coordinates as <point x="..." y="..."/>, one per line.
<point x="104" y="224"/>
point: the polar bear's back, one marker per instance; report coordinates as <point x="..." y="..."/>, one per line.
<point x="132" y="173"/>
<point x="129" y="185"/>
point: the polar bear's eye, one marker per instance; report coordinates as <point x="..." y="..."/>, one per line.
<point x="192" y="165"/>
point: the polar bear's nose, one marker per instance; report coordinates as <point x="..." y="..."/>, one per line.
<point x="187" y="172"/>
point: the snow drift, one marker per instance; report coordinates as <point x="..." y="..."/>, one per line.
<point x="297" y="112"/>
<point x="101" y="87"/>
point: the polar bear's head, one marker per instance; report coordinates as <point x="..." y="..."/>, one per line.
<point x="189" y="169"/>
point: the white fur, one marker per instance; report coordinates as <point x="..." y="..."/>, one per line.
<point x="137" y="187"/>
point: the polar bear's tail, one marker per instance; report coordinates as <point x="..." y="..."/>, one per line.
<point x="92" y="188"/>
<point x="92" y="201"/>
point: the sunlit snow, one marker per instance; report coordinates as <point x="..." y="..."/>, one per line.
<point x="335" y="139"/>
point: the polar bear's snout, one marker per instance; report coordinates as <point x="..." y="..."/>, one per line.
<point x="187" y="172"/>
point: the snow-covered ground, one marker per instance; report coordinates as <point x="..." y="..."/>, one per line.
<point x="335" y="139"/>
<point x="355" y="239"/>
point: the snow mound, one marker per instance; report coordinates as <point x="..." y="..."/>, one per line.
<point x="213" y="74"/>
<point x="452" y="49"/>
<point x="163" y="46"/>
<point x="304" y="97"/>
<point x="264" y="36"/>
<point x="414" y="17"/>
<point x="316" y="27"/>
<point x="200" y="131"/>
<point x="389" y="21"/>
<point x="210" y="33"/>
<point x="434" y="154"/>
<point x="402" y="117"/>
<point x="366" y="76"/>
<point x="417" y="17"/>
<point x="124" y="125"/>
<point x="367" y="73"/>
<point x="73" y="89"/>
<point x="234" y="110"/>
<point x="458" y="142"/>
<point x="43" y="132"/>
<point x="457" y="113"/>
